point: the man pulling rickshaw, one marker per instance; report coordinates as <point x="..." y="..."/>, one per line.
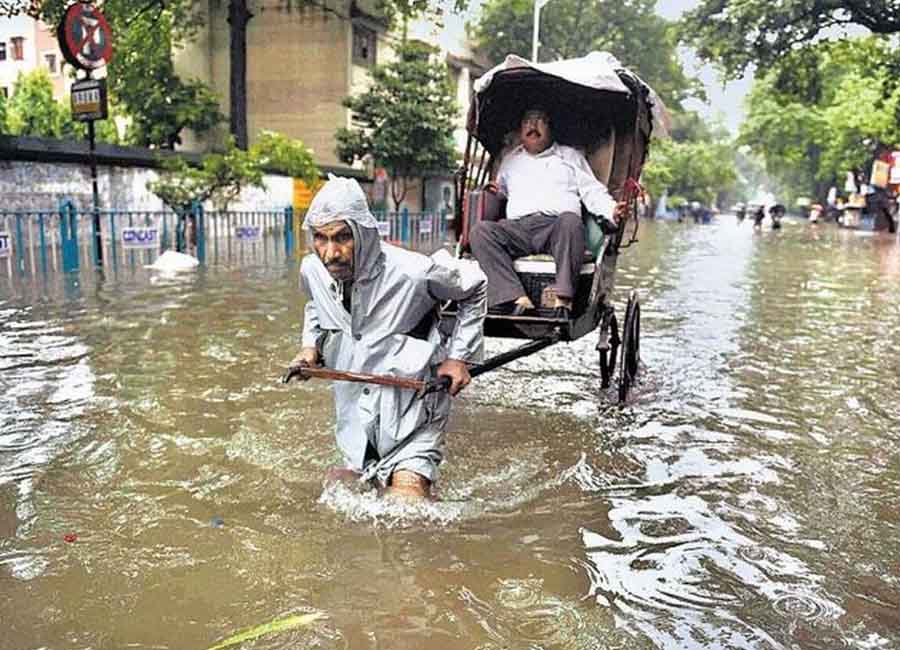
<point x="372" y="309"/>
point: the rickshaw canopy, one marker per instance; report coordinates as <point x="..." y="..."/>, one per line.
<point x="584" y="97"/>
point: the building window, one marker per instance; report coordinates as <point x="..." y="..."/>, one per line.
<point x="51" y="62"/>
<point x="18" y="48"/>
<point x="363" y="46"/>
<point x="2" y="51"/>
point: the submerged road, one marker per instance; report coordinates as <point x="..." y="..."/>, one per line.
<point x="160" y="489"/>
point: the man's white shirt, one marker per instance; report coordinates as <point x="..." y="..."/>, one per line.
<point x="555" y="181"/>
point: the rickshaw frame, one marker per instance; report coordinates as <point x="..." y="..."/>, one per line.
<point x="581" y="116"/>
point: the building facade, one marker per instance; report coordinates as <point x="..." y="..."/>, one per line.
<point x="303" y="61"/>
<point x="27" y="44"/>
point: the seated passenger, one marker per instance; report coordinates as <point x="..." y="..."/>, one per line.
<point x="545" y="184"/>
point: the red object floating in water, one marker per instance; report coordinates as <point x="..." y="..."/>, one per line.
<point x="70" y="537"/>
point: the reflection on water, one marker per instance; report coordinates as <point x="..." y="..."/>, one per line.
<point x="160" y="489"/>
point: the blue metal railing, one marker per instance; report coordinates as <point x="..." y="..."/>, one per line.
<point x="420" y="231"/>
<point x="64" y="239"/>
<point x="43" y="241"/>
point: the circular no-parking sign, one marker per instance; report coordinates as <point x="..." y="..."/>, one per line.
<point x="85" y="37"/>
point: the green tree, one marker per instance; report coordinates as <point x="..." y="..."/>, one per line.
<point x="785" y="133"/>
<point x="141" y="76"/>
<point x="823" y="112"/>
<point x="405" y="119"/>
<point x="701" y="171"/>
<point x="143" y="81"/>
<point x="221" y="176"/>
<point x="631" y="30"/>
<point x="32" y="109"/>
<point x="735" y="35"/>
<point x="3" y="127"/>
<point x="277" y="152"/>
<point x="699" y="162"/>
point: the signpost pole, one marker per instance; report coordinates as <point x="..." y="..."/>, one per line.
<point x="85" y="40"/>
<point x="98" y="237"/>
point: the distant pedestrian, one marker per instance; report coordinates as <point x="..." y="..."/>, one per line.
<point x="881" y="206"/>
<point x="758" y="215"/>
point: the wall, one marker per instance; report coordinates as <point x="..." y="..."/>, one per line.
<point x="28" y="185"/>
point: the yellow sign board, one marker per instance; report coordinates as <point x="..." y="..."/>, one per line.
<point x="89" y="100"/>
<point x="303" y="194"/>
<point x="880" y="173"/>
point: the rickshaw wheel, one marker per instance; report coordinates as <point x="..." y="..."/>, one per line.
<point x="609" y="334"/>
<point x="631" y="346"/>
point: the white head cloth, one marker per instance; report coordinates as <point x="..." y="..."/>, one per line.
<point x="340" y="199"/>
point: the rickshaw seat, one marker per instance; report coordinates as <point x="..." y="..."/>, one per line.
<point x="588" y="258"/>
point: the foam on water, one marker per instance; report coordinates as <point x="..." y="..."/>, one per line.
<point x="388" y="512"/>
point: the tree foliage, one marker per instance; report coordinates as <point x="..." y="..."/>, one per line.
<point x="141" y="76"/>
<point x="221" y="176"/>
<point x="32" y="109"/>
<point x="144" y="83"/>
<point x="697" y="163"/>
<point x="734" y="35"/>
<point x="693" y="170"/>
<point x="276" y="152"/>
<point x="815" y="121"/>
<point x="405" y="119"/>
<point x="3" y="127"/>
<point x="631" y="30"/>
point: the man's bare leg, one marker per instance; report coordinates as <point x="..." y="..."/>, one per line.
<point x="407" y="484"/>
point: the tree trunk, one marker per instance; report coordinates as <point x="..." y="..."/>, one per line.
<point x="238" y="17"/>
<point x="398" y="194"/>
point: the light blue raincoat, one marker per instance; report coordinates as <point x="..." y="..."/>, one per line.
<point x="380" y="429"/>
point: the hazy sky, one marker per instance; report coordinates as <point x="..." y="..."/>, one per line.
<point x="725" y="101"/>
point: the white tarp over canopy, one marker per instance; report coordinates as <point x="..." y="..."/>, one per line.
<point x="596" y="70"/>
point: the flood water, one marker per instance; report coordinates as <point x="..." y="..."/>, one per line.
<point x="159" y="488"/>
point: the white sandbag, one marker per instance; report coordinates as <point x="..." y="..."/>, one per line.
<point x="172" y="261"/>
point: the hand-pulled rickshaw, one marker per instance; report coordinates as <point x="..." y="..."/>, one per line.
<point x="604" y="110"/>
<point x="608" y="113"/>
